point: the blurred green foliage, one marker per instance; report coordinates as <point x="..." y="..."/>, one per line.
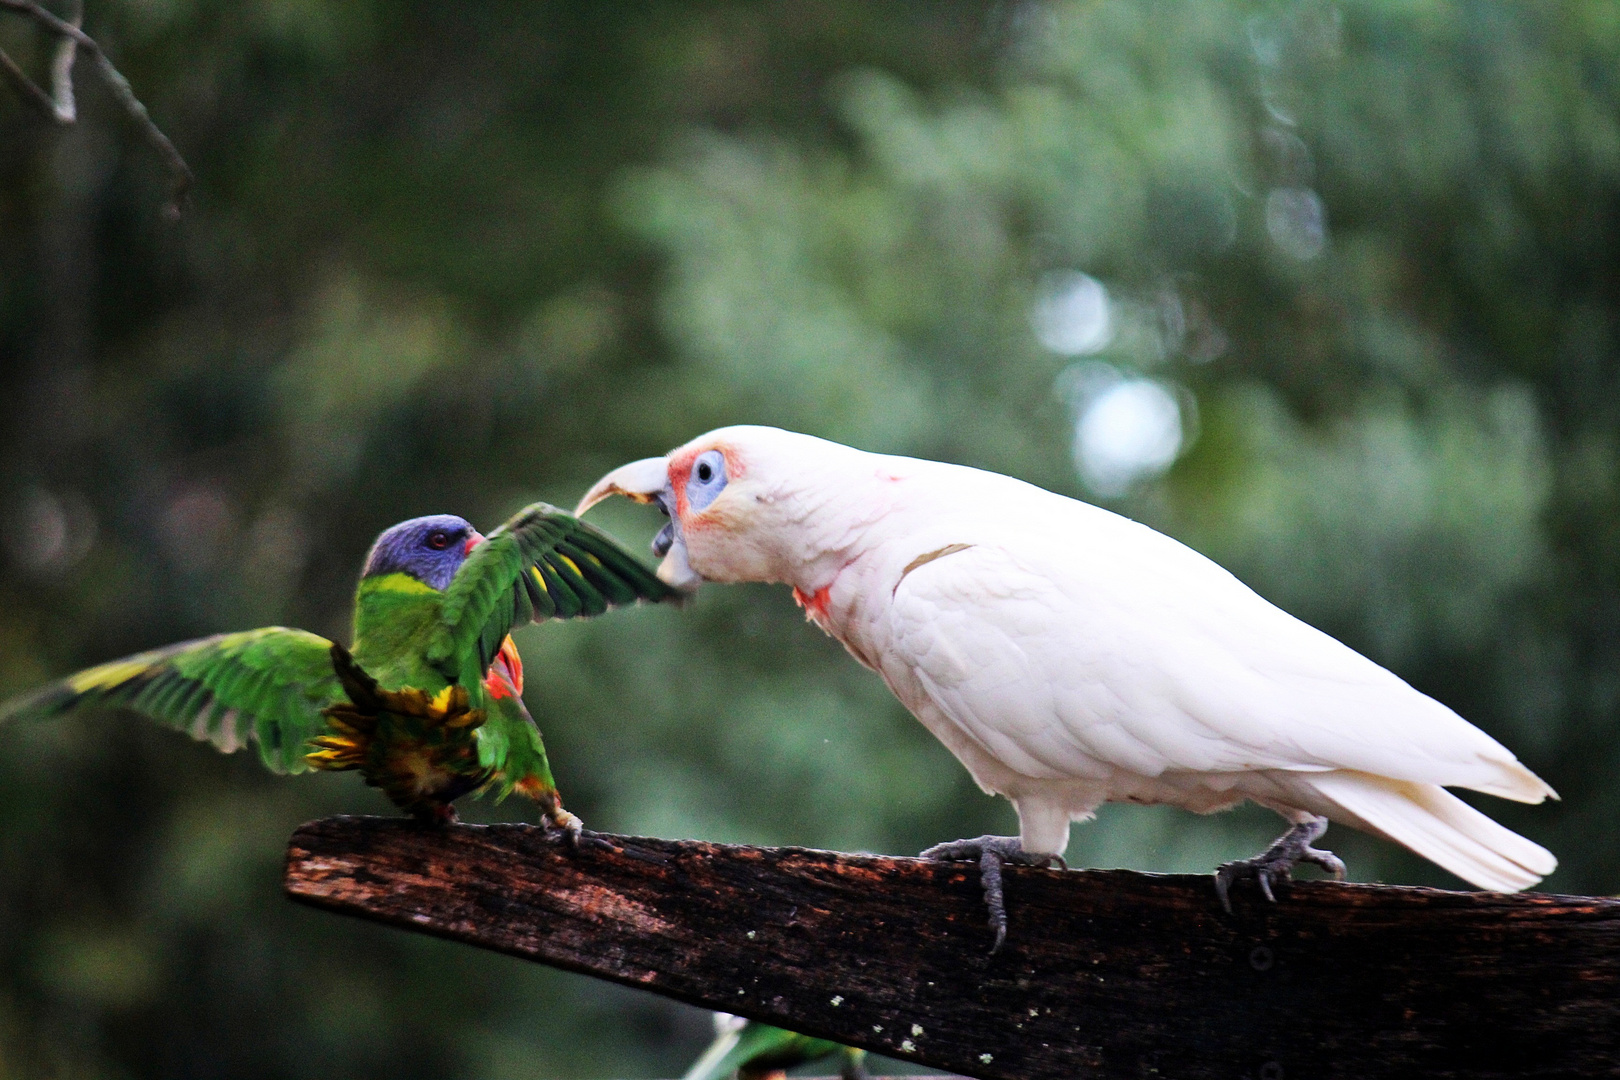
<point x="454" y="257"/>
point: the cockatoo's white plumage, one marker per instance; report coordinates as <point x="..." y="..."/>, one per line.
<point x="1069" y="656"/>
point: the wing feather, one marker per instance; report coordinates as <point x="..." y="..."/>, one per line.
<point x="268" y="685"/>
<point x="1146" y="657"/>
<point x="542" y="564"/>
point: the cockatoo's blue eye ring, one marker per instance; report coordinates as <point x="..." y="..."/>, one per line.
<point x="708" y="479"/>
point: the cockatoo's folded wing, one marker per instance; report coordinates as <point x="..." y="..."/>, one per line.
<point x="542" y="564"/>
<point x="267" y="686"/>
<point x="1137" y="653"/>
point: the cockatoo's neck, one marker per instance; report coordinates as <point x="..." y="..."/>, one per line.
<point x="835" y="523"/>
<point x="842" y="528"/>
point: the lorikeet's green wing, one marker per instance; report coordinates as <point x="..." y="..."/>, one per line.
<point x="509" y="741"/>
<point x="754" y="1049"/>
<point x="266" y="686"/>
<point x="542" y="564"/>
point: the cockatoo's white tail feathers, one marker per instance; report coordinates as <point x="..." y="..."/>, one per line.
<point x="1514" y="781"/>
<point x="1437" y="825"/>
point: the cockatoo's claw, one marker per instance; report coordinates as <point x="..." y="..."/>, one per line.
<point x="1277" y="862"/>
<point x="992" y="853"/>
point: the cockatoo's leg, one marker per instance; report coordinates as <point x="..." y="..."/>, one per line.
<point x="992" y="853"/>
<point x="1278" y="861"/>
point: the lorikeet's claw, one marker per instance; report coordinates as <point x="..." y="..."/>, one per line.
<point x="992" y="853"/>
<point x="574" y="831"/>
<point x="586" y="839"/>
<point x="560" y="820"/>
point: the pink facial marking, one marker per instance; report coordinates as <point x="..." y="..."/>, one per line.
<point x="680" y="470"/>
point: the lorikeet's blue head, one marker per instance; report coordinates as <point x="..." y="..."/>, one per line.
<point x="430" y="549"/>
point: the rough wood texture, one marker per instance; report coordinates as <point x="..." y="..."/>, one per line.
<point x="1105" y="973"/>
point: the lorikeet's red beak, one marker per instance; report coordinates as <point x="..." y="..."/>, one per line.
<point x="472" y="541"/>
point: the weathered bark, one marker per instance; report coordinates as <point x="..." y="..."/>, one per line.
<point x="1105" y="973"/>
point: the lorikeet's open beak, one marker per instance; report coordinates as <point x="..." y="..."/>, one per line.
<point x="647" y="481"/>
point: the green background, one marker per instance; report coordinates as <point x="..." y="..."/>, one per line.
<point x="456" y="257"/>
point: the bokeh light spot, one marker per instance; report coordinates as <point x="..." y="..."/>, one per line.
<point x="1126" y="430"/>
<point x="1072" y="316"/>
<point x="1297" y="221"/>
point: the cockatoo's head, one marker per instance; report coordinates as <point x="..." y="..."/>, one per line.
<point x="430" y="549"/>
<point x="737" y="500"/>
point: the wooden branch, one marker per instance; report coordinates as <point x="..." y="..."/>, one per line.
<point x="1104" y="974"/>
<point x="60" y="105"/>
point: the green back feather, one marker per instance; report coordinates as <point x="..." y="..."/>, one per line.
<point x="542" y="564"/>
<point x="265" y="686"/>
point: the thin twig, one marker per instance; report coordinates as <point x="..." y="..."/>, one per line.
<point x="62" y="107"/>
<point x="27" y="87"/>
<point x="62" y="69"/>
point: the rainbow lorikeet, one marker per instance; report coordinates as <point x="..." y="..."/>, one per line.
<point x="427" y="703"/>
<point x="750" y="1050"/>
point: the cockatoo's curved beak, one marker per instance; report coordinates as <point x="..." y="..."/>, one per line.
<point x="647" y="481"/>
<point x="644" y="481"/>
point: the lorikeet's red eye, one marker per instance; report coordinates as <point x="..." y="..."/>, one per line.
<point x="438" y="539"/>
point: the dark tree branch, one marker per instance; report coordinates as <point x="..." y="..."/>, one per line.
<point x="60" y="105"/>
<point x="1104" y="974"/>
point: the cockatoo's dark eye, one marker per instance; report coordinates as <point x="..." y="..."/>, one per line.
<point x="438" y="540"/>
<point x="708" y="479"/>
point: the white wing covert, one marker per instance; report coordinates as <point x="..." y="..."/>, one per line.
<point x="1132" y="653"/>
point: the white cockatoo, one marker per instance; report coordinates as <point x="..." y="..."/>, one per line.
<point x="1069" y="656"/>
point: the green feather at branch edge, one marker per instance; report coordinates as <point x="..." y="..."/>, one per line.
<point x="751" y="1050"/>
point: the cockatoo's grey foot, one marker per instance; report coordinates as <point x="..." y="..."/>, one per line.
<point x="992" y="853"/>
<point x="1277" y="862"/>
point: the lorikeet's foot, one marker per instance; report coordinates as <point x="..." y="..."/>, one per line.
<point x="435" y="814"/>
<point x="557" y="820"/>
<point x="992" y="852"/>
<point x="1277" y="862"/>
<point x="568" y="824"/>
<point x="574" y="830"/>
